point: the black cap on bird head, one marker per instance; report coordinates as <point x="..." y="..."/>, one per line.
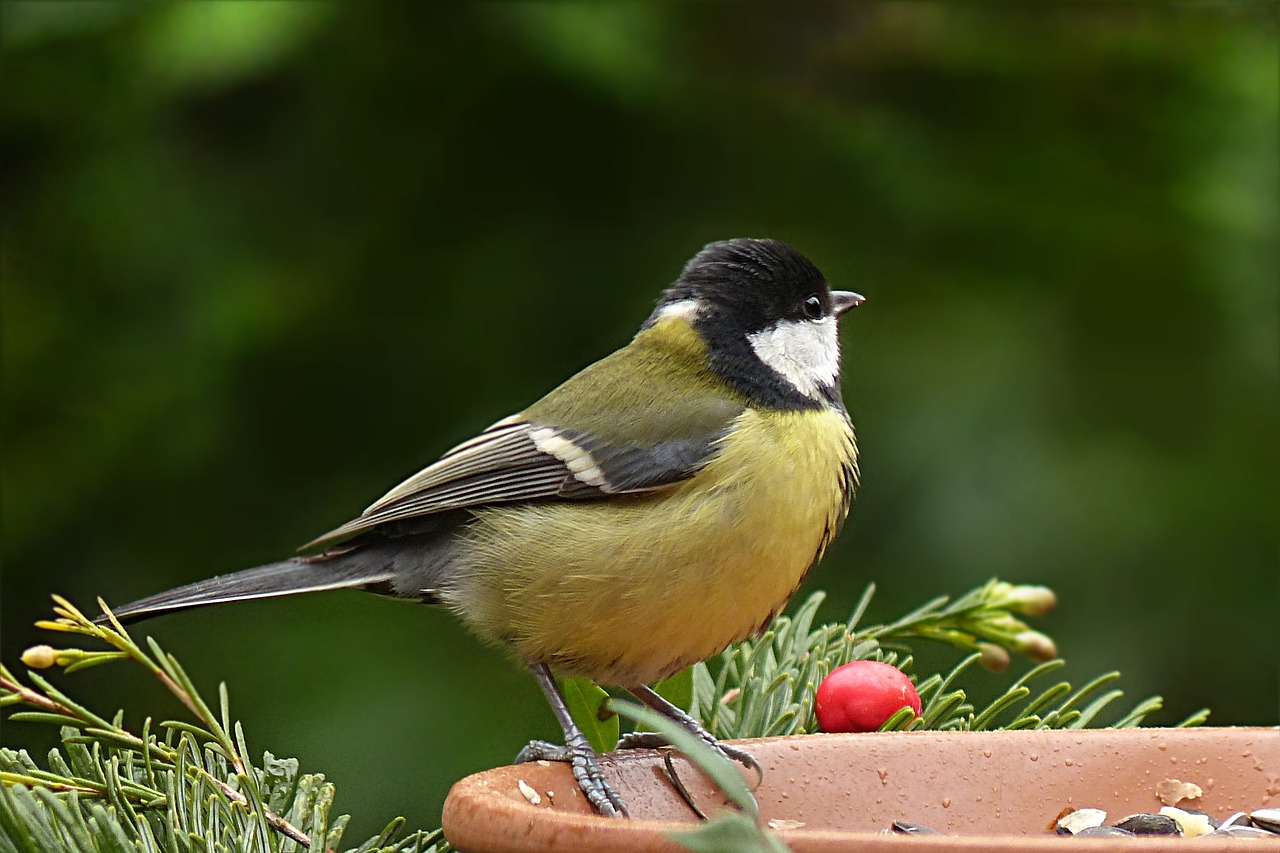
<point x="755" y="279"/>
<point x="768" y="318"/>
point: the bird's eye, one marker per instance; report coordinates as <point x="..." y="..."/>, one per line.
<point x="813" y="307"/>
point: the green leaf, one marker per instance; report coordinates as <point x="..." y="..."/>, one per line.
<point x="860" y="608"/>
<point x="899" y="720"/>
<point x="382" y="839"/>
<point x="1095" y="707"/>
<point x="586" y="702"/>
<point x="677" y="689"/>
<point x="1135" y="717"/>
<point x="1008" y="699"/>
<point x="945" y="708"/>
<point x="1199" y="718"/>
<point x="705" y="701"/>
<point x="1044" y="700"/>
<point x="730" y="833"/>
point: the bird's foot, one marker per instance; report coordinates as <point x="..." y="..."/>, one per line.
<point x="585" y="767"/>
<point x="653" y="740"/>
<point x="542" y="750"/>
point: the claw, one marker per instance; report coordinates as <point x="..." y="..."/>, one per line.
<point x="582" y="762"/>
<point x="541" y="750"/>
<point x="577" y="751"/>
<point x="744" y="758"/>
<point x="642" y="740"/>
<point x="652" y="740"/>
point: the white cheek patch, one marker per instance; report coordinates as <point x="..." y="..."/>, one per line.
<point x="806" y="352"/>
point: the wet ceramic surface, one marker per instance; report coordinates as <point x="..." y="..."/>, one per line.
<point x="990" y="791"/>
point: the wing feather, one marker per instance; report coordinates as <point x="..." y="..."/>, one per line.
<point x="519" y="460"/>
<point x="508" y="439"/>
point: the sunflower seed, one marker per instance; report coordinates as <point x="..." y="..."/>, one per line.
<point x="1268" y="819"/>
<point x="1079" y="819"/>
<point x="1150" y="824"/>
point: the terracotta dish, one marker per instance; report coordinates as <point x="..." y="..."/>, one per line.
<point x="985" y="791"/>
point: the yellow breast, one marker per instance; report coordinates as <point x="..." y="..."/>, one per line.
<point x="628" y="590"/>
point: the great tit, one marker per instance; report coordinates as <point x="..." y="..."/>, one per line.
<point x="661" y="504"/>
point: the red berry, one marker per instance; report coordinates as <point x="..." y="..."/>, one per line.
<point x="860" y="696"/>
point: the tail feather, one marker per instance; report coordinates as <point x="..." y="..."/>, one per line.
<point x="288" y="577"/>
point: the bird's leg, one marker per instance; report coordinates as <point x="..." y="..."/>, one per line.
<point x="576" y="751"/>
<point x="652" y="740"/>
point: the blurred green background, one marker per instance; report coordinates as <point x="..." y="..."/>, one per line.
<point x="262" y="260"/>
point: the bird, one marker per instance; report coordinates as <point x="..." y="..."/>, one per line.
<point x="659" y="505"/>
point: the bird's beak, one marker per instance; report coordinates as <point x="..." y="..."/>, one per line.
<point x="843" y="300"/>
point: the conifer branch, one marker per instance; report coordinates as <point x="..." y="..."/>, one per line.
<point x="159" y="789"/>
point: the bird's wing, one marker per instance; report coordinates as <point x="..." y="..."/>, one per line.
<point x="520" y="459"/>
